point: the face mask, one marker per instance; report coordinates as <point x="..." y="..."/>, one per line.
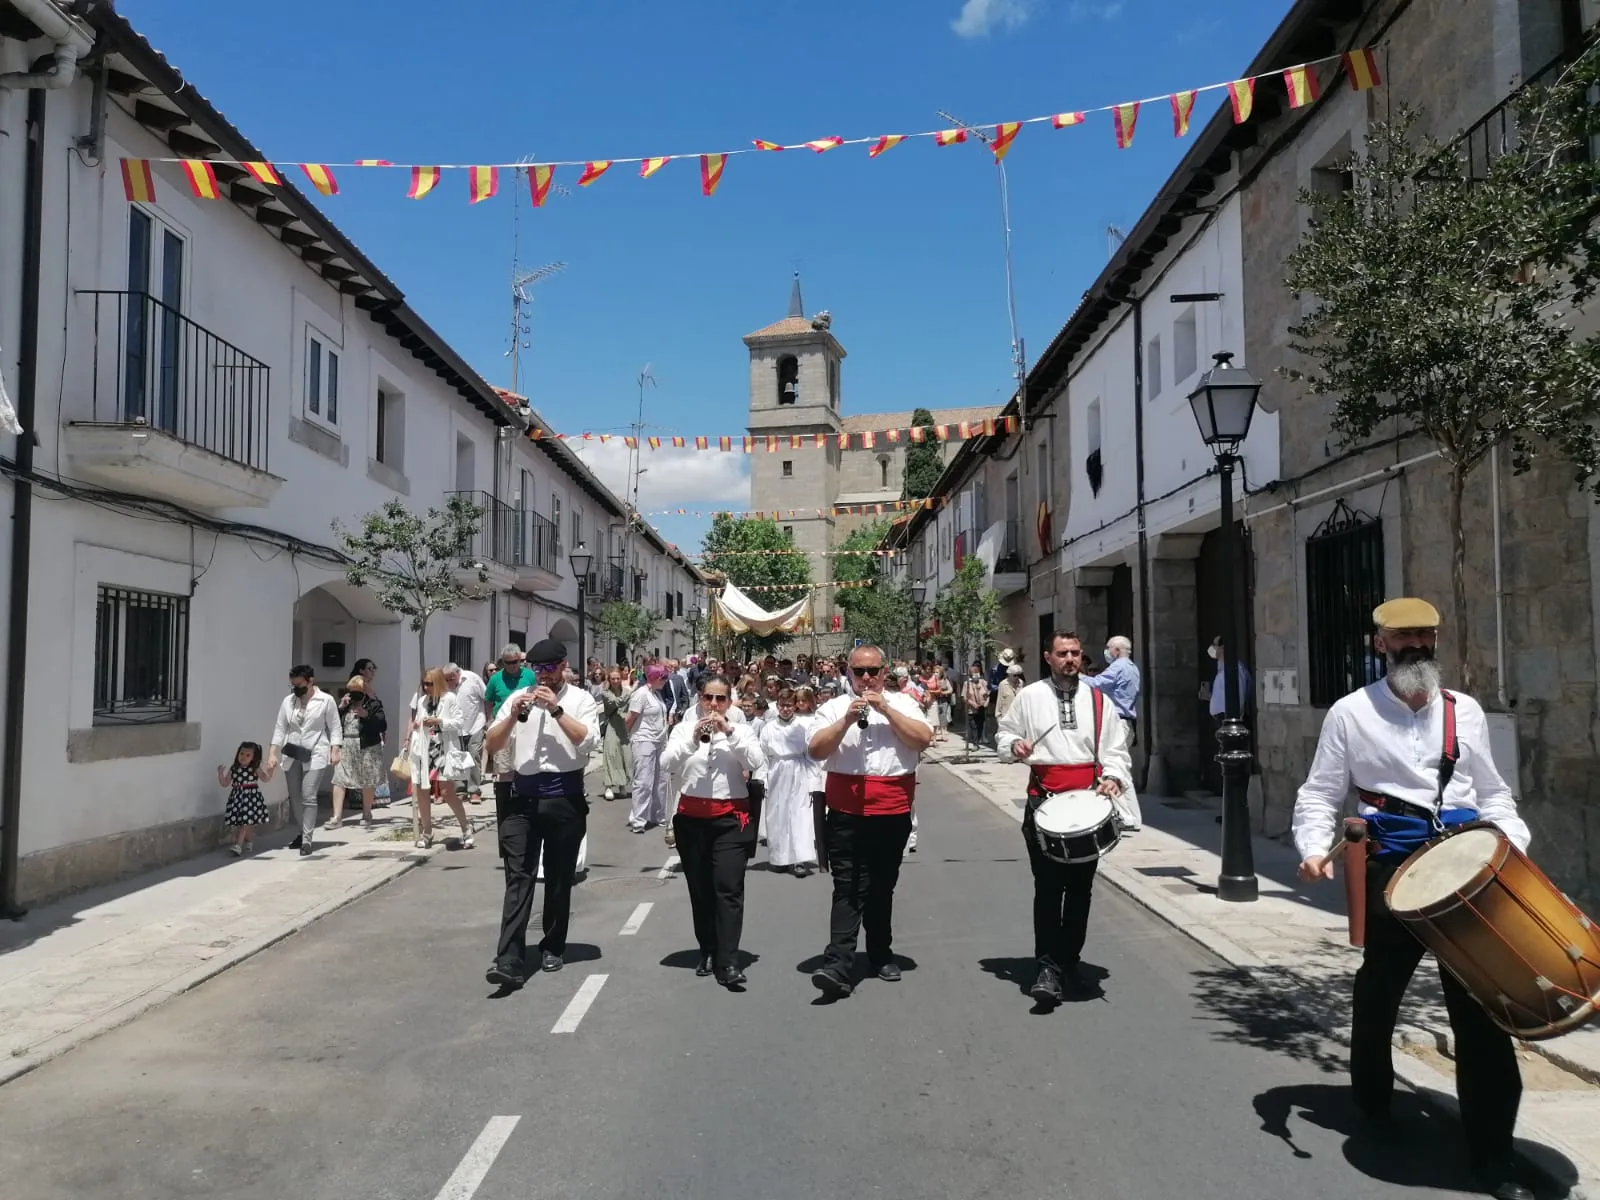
<point x="300" y="689"/>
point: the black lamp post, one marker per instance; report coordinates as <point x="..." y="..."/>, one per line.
<point x="1223" y="404"/>
<point x="579" y="560"/>
<point x="919" y="595"/>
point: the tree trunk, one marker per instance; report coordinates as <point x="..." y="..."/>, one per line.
<point x="422" y="669"/>
<point x="1458" y="575"/>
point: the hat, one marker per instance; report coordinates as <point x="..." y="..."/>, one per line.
<point x="1006" y="657"/>
<point x="547" y="653"/>
<point x="1406" y="612"/>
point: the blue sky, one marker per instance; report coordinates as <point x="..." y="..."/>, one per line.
<point x="904" y="250"/>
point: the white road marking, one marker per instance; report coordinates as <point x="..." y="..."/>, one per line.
<point x="666" y="871"/>
<point x="639" y="914"/>
<point x="579" y="1005"/>
<point x="463" y="1183"/>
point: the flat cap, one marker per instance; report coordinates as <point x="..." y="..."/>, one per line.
<point x="1405" y="612"/>
<point x="547" y="653"/>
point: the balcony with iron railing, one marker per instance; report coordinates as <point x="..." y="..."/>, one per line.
<point x="174" y="411"/>
<point x="611" y="581"/>
<point x="1010" y="571"/>
<point x="489" y="549"/>
<point x="1495" y="134"/>
<point x="535" y="550"/>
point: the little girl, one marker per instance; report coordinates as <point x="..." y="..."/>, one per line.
<point x="246" y="809"/>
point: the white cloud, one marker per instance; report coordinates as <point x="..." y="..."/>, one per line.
<point x="1094" y="10"/>
<point x="979" y="18"/>
<point x="673" y="478"/>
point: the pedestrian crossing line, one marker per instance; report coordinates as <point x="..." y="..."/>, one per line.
<point x="573" y="1014"/>
<point x="639" y="914"/>
<point x="666" y="870"/>
<point x="463" y="1182"/>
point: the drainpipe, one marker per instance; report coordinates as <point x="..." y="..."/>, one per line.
<point x="60" y="69"/>
<point x="1153" y="765"/>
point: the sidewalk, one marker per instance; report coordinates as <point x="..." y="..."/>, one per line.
<point x="1292" y="943"/>
<point x="81" y="966"/>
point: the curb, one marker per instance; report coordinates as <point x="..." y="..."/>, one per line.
<point x="130" y="1010"/>
<point x="1434" y="1089"/>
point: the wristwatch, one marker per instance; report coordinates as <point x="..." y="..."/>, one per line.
<point x="557" y="711"/>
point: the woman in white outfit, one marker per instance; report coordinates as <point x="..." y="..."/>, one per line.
<point x="439" y="760"/>
<point x="805" y="703"/>
<point x="310" y="735"/>
<point x="647" y="733"/>
<point x="786" y="816"/>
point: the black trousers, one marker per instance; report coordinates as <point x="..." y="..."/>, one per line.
<point x="864" y="856"/>
<point x="713" y="852"/>
<point x="1061" y="896"/>
<point x="1488" y="1081"/>
<point x="556" y="825"/>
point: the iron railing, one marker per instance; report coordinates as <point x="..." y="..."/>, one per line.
<point x="1495" y="133"/>
<point x="1344" y="583"/>
<point x="611" y="585"/>
<point x="1010" y="560"/>
<point x="493" y="539"/>
<point x="141" y="657"/>
<point x="535" y="542"/>
<point x="154" y="366"/>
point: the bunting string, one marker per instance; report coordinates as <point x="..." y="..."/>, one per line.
<point x="798" y="587"/>
<point x="871" y="439"/>
<point x="709" y="555"/>
<point x="842" y="510"/>
<point x="1301" y="84"/>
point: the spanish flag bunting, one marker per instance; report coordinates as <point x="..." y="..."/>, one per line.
<point x="749" y="444"/>
<point x="373" y="162"/>
<point x="1362" y="68"/>
<point x="651" y="165"/>
<point x="868" y="440"/>
<point x="892" y="435"/>
<point x="1004" y="134"/>
<point x="702" y="443"/>
<point x="823" y="145"/>
<point x="263" y="172"/>
<point x="1182" y="109"/>
<point x="1242" y="95"/>
<point x="887" y="142"/>
<point x="760" y="145"/>
<point x="821" y="442"/>
<point x="138" y="184"/>
<point x="678" y="443"/>
<point x="942" y="432"/>
<point x="321" y="178"/>
<point x="711" y="172"/>
<point x="1302" y="85"/>
<point x="772" y="443"/>
<point x="655" y="443"/>
<point x="483" y="182"/>
<point x="423" y="181"/>
<point x="917" y="432"/>
<point x="844" y="441"/>
<point x="593" y="171"/>
<point x="965" y="429"/>
<point x="1126" y="117"/>
<point x="631" y="442"/>
<point x="949" y="137"/>
<point x="725" y="443"/>
<point x="1062" y="120"/>
<point x="539" y="178"/>
<point x="202" y="179"/>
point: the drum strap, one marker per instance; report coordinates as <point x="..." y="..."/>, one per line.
<point x="1451" y="751"/>
<point x="1036" y="792"/>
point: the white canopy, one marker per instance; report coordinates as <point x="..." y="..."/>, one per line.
<point x="743" y="615"/>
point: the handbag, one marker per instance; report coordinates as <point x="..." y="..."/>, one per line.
<point x="457" y="764"/>
<point x="400" y="768"/>
<point x="296" y="753"/>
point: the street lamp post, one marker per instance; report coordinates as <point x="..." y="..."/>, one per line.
<point x="1223" y="404"/>
<point x="579" y="560"/>
<point x="919" y="594"/>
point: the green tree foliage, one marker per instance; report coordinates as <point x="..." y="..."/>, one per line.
<point x="415" y="565"/>
<point x="968" y="613"/>
<point x="924" y="461"/>
<point x="627" y="623"/>
<point x="881" y="612"/>
<point x="1444" y="290"/>
<point x="742" y="550"/>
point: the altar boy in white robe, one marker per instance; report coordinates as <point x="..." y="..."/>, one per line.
<point x="1073" y="741"/>
<point x="791" y="834"/>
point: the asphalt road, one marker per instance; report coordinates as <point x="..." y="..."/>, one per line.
<point x="365" y="1058"/>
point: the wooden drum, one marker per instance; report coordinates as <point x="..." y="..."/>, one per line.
<point x="1518" y="945"/>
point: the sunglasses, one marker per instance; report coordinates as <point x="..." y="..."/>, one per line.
<point x="866" y="672"/>
<point x="546" y="667"/>
<point x="714" y="699"/>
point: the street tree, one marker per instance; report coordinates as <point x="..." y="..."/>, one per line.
<point x="924" y="461"/>
<point x="756" y="554"/>
<point x="627" y="623"/>
<point x="967" y="613"/>
<point x="1444" y="289"/>
<point x="879" y="611"/>
<point x="416" y="566"/>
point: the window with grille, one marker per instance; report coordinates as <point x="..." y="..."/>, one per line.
<point x="1344" y="583"/>
<point x="461" y="652"/>
<point x="141" y="657"/>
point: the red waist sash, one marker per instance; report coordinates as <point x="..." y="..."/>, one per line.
<point x="1049" y="778"/>
<point x="699" y="806"/>
<point x="870" y="795"/>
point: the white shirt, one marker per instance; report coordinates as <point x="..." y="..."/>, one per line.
<point x="877" y="749"/>
<point x="1035" y="716"/>
<point x="315" y="724"/>
<point x="713" y="770"/>
<point x="1219" y="690"/>
<point x="1371" y="740"/>
<point x="469" y="694"/>
<point x="539" y="746"/>
<point x="651" y="707"/>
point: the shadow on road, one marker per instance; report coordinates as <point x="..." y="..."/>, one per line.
<point x="1246" y="1010"/>
<point x="1023" y="971"/>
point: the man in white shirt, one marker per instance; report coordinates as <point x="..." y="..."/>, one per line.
<point x="871" y="743"/>
<point x="1072" y="740"/>
<point x="469" y="689"/>
<point x="309" y="733"/>
<point x="1418" y="758"/>
<point x="551" y="730"/>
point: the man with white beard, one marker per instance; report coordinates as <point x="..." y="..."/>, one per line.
<point x="1418" y="758"/>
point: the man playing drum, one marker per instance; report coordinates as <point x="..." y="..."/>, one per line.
<point x="1073" y="741"/>
<point x="1413" y="752"/>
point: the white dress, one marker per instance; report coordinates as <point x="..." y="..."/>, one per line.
<point x="791" y="834"/>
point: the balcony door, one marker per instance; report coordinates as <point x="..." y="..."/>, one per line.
<point x="152" y="354"/>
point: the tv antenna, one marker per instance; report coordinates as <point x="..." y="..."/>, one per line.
<point x="1114" y="239"/>
<point x="522" y="281"/>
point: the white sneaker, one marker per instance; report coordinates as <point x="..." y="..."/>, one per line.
<point x="610" y="794"/>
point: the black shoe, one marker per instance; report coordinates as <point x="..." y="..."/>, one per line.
<point x="1501" y="1182"/>
<point x="551" y="962"/>
<point x="295" y="845"/>
<point x="889" y="972"/>
<point x="731" y="977"/>
<point x="704" y="968"/>
<point x="504" y="975"/>
<point x="1046" y="988"/>
<point x="832" y="982"/>
<point x="305" y="849"/>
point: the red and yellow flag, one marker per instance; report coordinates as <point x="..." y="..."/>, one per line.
<point x="650" y="166"/>
<point x="373" y="162"/>
<point x="844" y="441"/>
<point x="1362" y="68"/>
<point x="423" y="181"/>
<point x="868" y="440"/>
<point x="796" y="441"/>
<point x="823" y="145"/>
<point x="917" y="432"/>
<point x="655" y="443"/>
<point x="262" y="172"/>
<point x="749" y="444"/>
<point x="887" y="142"/>
<point x="482" y="182"/>
<point x="1126" y="117"/>
<point x="321" y="178"/>
<point x="760" y="145"/>
<point x="1302" y="85"/>
<point x="678" y="443"/>
<point x="1242" y="95"/>
<point x="202" y="179"/>
<point x="949" y="137"/>
<point x="942" y="432"/>
<point x="725" y="443"/>
<point x="820" y="442"/>
<point x="1062" y="120"/>
<point x="1182" y="110"/>
<point x="893" y="435"/>
<point x="539" y="179"/>
<point x="137" y="181"/>
<point x="711" y="172"/>
<point x="593" y="171"/>
<point x="772" y="443"/>
<point x="631" y="442"/>
<point x="702" y="443"/>
<point x="1004" y="134"/>
<point x="1010" y="424"/>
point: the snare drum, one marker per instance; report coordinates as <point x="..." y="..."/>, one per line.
<point x="1517" y="944"/>
<point x="1076" y="827"/>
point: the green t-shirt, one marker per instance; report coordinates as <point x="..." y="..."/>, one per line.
<point x="497" y="691"/>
